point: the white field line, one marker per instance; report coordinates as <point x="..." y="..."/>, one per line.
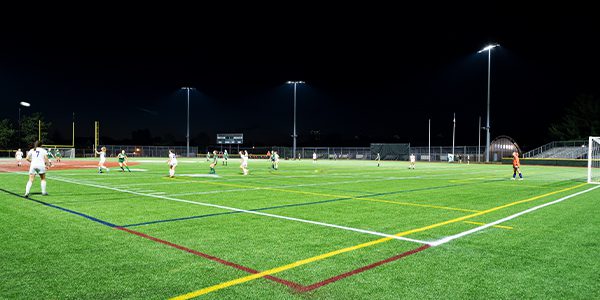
<point x="476" y="229"/>
<point x="243" y="210"/>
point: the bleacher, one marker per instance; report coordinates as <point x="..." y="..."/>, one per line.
<point x="565" y="150"/>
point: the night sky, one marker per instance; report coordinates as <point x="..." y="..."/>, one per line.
<point x="372" y="75"/>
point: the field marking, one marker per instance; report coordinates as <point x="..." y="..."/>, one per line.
<point x="359" y="246"/>
<point x="343" y="196"/>
<point x="468" y="232"/>
<point x="495" y="226"/>
<point x="244" y="211"/>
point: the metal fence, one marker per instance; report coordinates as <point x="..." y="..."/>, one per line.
<point x="301" y="152"/>
<point x="440" y="153"/>
<point x="139" y="151"/>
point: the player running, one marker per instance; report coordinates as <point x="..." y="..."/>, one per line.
<point x="225" y="157"/>
<point x="102" y="154"/>
<point x="172" y="163"/>
<point x="244" y="165"/>
<point x="38" y="157"/>
<point x="214" y="163"/>
<point x="412" y="161"/>
<point x="19" y="157"/>
<point x="123" y="161"/>
<point x="378" y="159"/>
<point x="516" y="166"/>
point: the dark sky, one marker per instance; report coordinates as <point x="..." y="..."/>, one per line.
<point x="372" y="74"/>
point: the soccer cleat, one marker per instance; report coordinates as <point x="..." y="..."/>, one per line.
<point x="520" y="178"/>
<point x="26" y="196"/>
<point x="512" y="178"/>
<point x="44" y="194"/>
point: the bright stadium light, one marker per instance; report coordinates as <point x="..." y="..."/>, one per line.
<point x="26" y="104"/>
<point x="487" y="126"/>
<point x="187" y="136"/>
<point x="295" y="83"/>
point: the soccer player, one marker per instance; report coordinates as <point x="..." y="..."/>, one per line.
<point x="57" y="154"/>
<point x="38" y="157"/>
<point x="516" y="166"/>
<point x="244" y="165"/>
<point x="412" y="161"/>
<point x="172" y="163"/>
<point x="102" y="154"/>
<point x="207" y="155"/>
<point x="273" y="160"/>
<point x="276" y="159"/>
<point x="299" y="156"/>
<point x="19" y="157"/>
<point x="123" y="161"/>
<point x="225" y="157"/>
<point x="314" y="157"/>
<point x="214" y="163"/>
<point x="378" y="159"/>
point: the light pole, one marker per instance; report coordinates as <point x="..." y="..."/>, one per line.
<point x="295" y="83"/>
<point x="453" y="133"/>
<point x="187" y="135"/>
<point x="24" y="104"/>
<point x="488" y="48"/>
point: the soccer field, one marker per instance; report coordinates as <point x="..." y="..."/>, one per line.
<point x="330" y="230"/>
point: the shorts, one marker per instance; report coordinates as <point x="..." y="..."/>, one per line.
<point x="173" y="164"/>
<point x="244" y="165"/>
<point x="37" y="170"/>
<point x="102" y="161"/>
<point x="121" y="160"/>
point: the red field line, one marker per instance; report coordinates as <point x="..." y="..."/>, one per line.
<point x="360" y="270"/>
<point x="290" y="284"/>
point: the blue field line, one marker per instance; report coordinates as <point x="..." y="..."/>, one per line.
<point x="63" y="209"/>
<point x="299" y="204"/>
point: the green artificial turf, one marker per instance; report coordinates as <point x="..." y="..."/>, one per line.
<point x="49" y="252"/>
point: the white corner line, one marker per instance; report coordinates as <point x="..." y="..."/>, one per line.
<point x="476" y="229"/>
<point x="242" y="210"/>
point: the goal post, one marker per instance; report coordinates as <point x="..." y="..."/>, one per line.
<point x="594" y="160"/>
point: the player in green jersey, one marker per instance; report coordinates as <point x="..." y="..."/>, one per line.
<point x="214" y="162"/>
<point x="123" y="161"/>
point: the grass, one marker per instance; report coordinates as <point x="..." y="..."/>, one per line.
<point x="48" y="252"/>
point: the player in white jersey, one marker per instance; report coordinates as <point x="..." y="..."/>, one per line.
<point x="314" y="157"/>
<point x="102" y="154"/>
<point x="19" y="157"/>
<point x="172" y="163"/>
<point x="276" y="160"/>
<point x="412" y="162"/>
<point x="38" y="157"/>
<point x="244" y="165"/>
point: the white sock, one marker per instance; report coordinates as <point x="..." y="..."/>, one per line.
<point x="171" y="172"/>
<point x="43" y="186"/>
<point x="28" y="187"/>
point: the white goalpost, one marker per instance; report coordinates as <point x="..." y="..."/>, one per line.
<point x="594" y="160"/>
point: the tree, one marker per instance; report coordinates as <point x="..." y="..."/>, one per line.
<point x="29" y="129"/>
<point x="582" y="119"/>
<point x="7" y="134"/>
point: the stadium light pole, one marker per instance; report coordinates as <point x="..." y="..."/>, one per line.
<point x="453" y="132"/>
<point x="295" y="83"/>
<point x="24" y="104"/>
<point x="488" y="48"/>
<point x="187" y="135"/>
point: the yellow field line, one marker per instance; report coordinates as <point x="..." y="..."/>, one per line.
<point x="344" y="250"/>
<point x="342" y="196"/>
<point x="479" y="223"/>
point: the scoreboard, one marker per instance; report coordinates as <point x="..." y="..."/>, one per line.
<point x="230" y="138"/>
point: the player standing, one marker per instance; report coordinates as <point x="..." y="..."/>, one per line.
<point x="412" y="161"/>
<point x="57" y="154"/>
<point x="172" y="163"/>
<point x="123" y="161"/>
<point x="378" y="159"/>
<point x="207" y="155"/>
<point x="225" y="157"/>
<point x="314" y="157"/>
<point x="244" y="165"/>
<point x="214" y="163"/>
<point x="38" y="157"/>
<point x="516" y="166"/>
<point x="102" y="154"/>
<point x="19" y="157"/>
<point x="276" y="159"/>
